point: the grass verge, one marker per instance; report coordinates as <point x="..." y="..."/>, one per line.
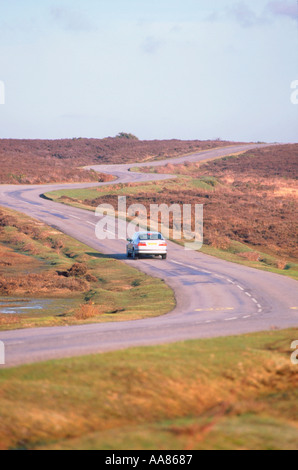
<point x="225" y="393"/>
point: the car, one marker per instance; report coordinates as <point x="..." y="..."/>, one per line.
<point x="147" y="244"/>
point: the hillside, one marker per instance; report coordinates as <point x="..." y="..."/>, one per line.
<point x="250" y="203"/>
<point x="59" y="161"/>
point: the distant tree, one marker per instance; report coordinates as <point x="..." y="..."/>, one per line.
<point x="124" y="135"/>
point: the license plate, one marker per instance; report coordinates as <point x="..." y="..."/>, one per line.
<point x="152" y="244"/>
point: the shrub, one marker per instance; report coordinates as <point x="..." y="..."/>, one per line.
<point x="282" y="264"/>
<point x="88" y="310"/>
<point x="7" y="220"/>
<point x="124" y="135"/>
<point x="250" y="255"/>
<point x="78" y="270"/>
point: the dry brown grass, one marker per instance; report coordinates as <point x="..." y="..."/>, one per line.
<point x="240" y="213"/>
<point x="41" y="284"/>
<point x="27" y="275"/>
<point x="254" y="202"/>
<point x="251" y="256"/>
<point x="8" y="320"/>
<point x="48" y="161"/>
<point x="160" y="398"/>
<point x="88" y="310"/>
<point x="10" y="259"/>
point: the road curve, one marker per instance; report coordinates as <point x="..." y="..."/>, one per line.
<point x="214" y="297"/>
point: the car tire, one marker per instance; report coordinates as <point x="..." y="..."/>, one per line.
<point x="134" y="255"/>
<point x="164" y="256"/>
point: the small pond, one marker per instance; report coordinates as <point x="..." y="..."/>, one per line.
<point x="14" y="307"/>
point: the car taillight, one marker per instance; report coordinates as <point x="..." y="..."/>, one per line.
<point x="163" y="244"/>
<point x="142" y="244"/>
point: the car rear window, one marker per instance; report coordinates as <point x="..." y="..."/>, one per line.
<point x="151" y="236"/>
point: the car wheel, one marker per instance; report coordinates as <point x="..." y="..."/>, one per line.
<point x="134" y="255"/>
<point x="164" y="256"/>
<point x="128" y="254"/>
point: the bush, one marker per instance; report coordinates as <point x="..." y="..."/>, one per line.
<point x="7" y="220"/>
<point x="86" y="311"/>
<point x="78" y="270"/>
<point x="124" y="135"/>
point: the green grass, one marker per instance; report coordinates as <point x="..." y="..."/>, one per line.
<point x="120" y="291"/>
<point x="238" y="392"/>
<point x="74" y="197"/>
<point x="205" y="182"/>
<point x="81" y="195"/>
<point x="267" y="263"/>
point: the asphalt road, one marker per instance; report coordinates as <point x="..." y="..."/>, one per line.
<point x="214" y="297"/>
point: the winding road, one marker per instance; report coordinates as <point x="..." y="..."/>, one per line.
<point x="214" y="297"/>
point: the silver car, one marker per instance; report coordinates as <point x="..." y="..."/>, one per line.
<point x="147" y="243"/>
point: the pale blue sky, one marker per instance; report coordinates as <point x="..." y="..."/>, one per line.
<point x="161" y="69"/>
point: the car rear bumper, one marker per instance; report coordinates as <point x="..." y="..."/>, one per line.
<point x="148" y="251"/>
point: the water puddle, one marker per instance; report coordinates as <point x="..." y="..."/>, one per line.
<point x="15" y="307"/>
